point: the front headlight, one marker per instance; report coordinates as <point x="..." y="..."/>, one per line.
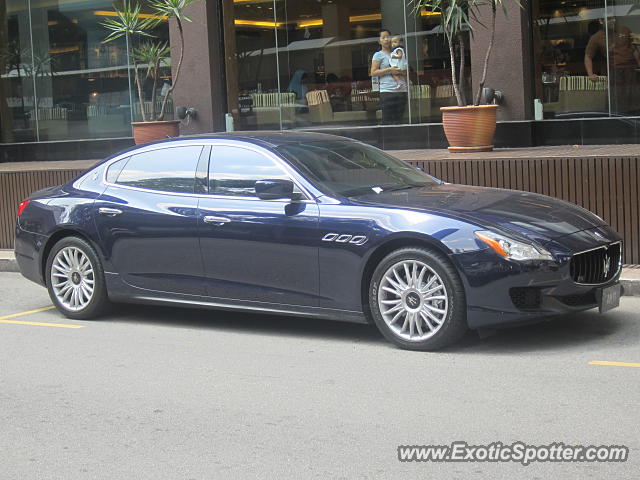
<point x="512" y="249"/>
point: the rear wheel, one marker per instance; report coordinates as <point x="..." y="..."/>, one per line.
<point x="75" y="279"/>
<point x="417" y="300"/>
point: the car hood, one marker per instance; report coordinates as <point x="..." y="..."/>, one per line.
<point x="536" y="216"/>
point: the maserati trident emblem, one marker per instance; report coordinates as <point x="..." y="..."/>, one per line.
<point x="413" y="300"/>
<point x="606" y="265"/>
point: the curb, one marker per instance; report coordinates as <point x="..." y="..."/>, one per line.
<point x="630" y="279"/>
<point x="631" y="287"/>
<point x="8" y="263"/>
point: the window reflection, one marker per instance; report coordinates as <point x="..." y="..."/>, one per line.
<point x="165" y="170"/>
<point x="587" y="58"/>
<point x="235" y="171"/>
<point x="308" y="63"/>
<point x="58" y="81"/>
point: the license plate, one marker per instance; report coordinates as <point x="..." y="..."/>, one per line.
<point x="609" y="298"/>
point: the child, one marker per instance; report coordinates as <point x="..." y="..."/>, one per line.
<point x="398" y="59"/>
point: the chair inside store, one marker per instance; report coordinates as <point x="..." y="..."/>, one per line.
<point x="321" y="111"/>
<point x="421" y="103"/>
<point x="444" y="97"/>
<point x="580" y="94"/>
<point x="272" y="108"/>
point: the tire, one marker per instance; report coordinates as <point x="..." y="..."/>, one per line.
<point x="75" y="279"/>
<point x="417" y="300"/>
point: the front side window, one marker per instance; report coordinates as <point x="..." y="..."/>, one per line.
<point x="165" y="170"/>
<point x="234" y="171"/>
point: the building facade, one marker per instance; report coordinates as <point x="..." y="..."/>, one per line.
<point x="569" y="70"/>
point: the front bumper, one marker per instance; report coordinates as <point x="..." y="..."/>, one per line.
<point x="501" y="292"/>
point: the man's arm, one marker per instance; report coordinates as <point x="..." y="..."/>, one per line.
<point x="588" y="66"/>
<point x="589" y="52"/>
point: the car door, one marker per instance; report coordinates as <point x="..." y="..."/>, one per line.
<point x="147" y="220"/>
<point x="253" y="249"/>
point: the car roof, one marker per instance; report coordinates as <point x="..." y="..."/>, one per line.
<point x="267" y="138"/>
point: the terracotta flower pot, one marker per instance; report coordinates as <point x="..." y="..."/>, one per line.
<point x="470" y="129"/>
<point x="145" y="132"/>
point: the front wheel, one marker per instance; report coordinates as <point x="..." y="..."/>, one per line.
<point x="75" y="279"/>
<point x="417" y="300"/>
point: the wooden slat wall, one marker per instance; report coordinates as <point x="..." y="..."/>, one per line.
<point x="607" y="186"/>
<point x="15" y="187"/>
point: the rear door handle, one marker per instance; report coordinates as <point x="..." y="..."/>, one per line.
<point x="210" y="219"/>
<point x="112" y="212"/>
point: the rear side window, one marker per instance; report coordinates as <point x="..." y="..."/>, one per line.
<point x="115" y="168"/>
<point x="170" y="169"/>
<point x="235" y="171"/>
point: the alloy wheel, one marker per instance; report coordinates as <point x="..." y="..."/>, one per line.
<point x="413" y="300"/>
<point x="72" y="278"/>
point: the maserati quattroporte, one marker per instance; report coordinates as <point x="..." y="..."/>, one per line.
<point x="312" y="225"/>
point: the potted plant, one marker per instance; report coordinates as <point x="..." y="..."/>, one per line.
<point x="148" y="56"/>
<point x="469" y="128"/>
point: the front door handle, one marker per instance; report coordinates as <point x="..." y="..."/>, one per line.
<point x="112" y="212"/>
<point x="210" y="219"/>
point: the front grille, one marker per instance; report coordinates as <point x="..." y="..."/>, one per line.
<point x="525" y="298"/>
<point x="596" y="266"/>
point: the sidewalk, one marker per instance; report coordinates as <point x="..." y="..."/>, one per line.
<point x="630" y="278"/>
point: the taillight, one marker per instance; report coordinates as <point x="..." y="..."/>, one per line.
<point x="22" y="206"/>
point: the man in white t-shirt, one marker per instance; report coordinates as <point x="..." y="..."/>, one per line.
<point x="393" y="98"/>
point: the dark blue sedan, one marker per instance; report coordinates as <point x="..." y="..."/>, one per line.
<point x="313" y="226"/>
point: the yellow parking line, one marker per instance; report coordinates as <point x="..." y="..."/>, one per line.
<point x="614" y="364"/>
<point x="5" y="319"/>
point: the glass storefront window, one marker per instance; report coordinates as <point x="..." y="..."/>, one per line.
<point x="587" y="57"/>
<point x="58" y="80"/>
<point x="307" y="63"/>
<point x="431" y="62"/>
<point x="17" y="82"/>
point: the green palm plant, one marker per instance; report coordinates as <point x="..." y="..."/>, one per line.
<point x="153" y="55"/>
<point x="130" y="23"/>
<point x="455" y="16"/>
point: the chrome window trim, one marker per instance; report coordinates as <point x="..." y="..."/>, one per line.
<point x="607" y="246"/>
<point x="310" y="198"/>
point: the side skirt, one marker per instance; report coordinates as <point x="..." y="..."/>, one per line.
<point x="141" y="296"/>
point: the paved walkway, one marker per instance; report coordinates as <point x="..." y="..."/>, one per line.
<point x="39" y="166"/>
<point x="567" y="151"/>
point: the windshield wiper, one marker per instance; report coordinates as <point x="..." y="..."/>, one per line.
<point x="400" y="187"/>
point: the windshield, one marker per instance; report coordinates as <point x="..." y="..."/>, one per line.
<point x="351" y="168"/>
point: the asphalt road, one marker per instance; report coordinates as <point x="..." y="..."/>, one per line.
<point x="155" y="393"/>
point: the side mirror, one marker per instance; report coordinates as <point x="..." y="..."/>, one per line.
<point x="273" y="189"/>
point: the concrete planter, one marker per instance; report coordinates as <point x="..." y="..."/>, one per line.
<point x="471" y="128"/>
<point x="146" y="132"/>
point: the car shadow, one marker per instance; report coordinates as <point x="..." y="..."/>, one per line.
<point x="250" y="323"/>
<point x="561" y="333"/>
<point x="567" y="332"/>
